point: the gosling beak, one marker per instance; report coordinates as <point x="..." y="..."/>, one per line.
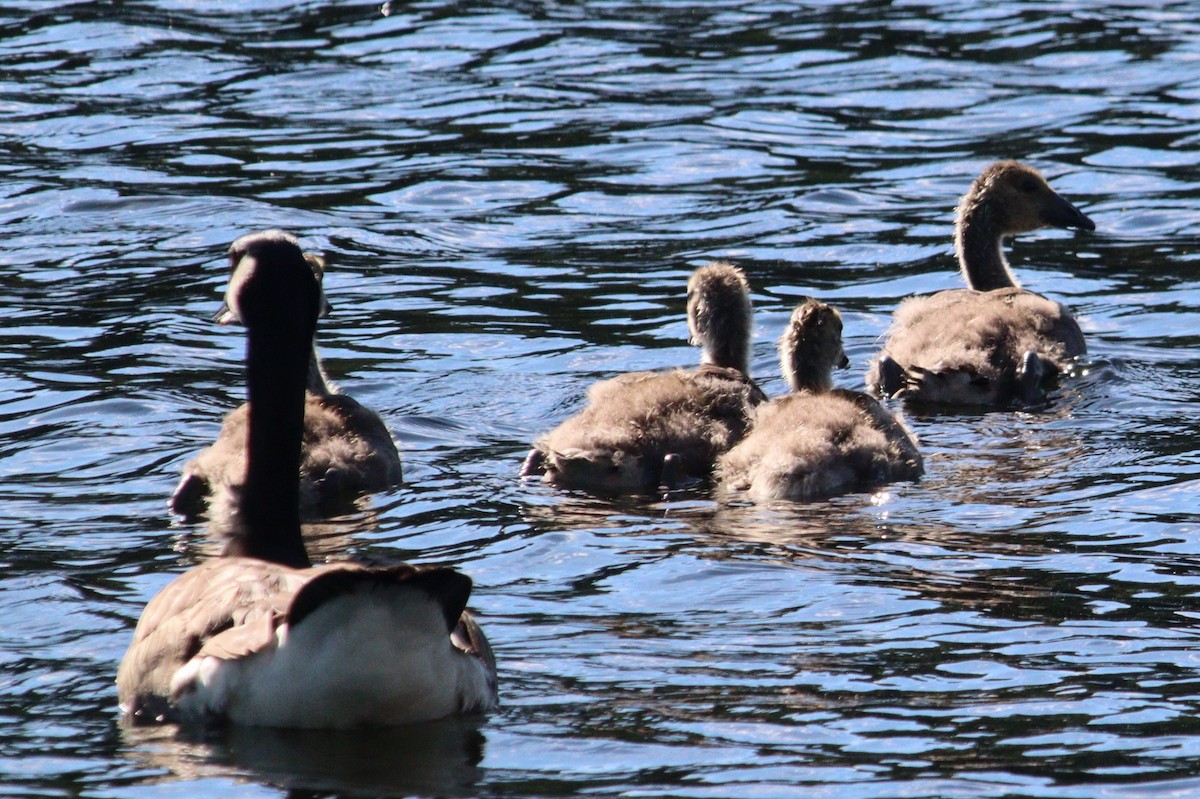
<point x="225" y="316"/>
<point x="844" y="362"/>
<point x="1060" y="213"/>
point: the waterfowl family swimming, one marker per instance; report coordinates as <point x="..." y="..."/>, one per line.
<point x="645" y="429"/>
<point x="993" y="342"/>
<point x="818" y="441"/>
<point x="347" y="449"/>
<point x="262" y="637"/>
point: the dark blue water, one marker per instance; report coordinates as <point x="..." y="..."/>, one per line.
<point x="511" y="197"/>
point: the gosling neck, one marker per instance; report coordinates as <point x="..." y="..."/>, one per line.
<point x="318" y="382"/>
<point x="732" y="352"/>
<point x="723" y="333"/>
<point x="802" y="364"/>
<point x="277" y="360"/>
<point x="807" y="378"/>
<point x="979" y="243"/>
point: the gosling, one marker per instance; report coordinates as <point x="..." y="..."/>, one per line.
<point x="818" y="441"/>
<point x="993" y="343"/>
<point x="643" y="430"/>
<point x="347" y="450"/>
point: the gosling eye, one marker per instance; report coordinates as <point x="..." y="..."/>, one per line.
<point x="1028" y="186"/>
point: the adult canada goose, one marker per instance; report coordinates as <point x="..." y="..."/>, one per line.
<point x="993" y="342"/>
<point x="262" y="637"/>
<point x="818" y="441"/>
<point x="645" y="429"/>
<point x="347" y="450"/>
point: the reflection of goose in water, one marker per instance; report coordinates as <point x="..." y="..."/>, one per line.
<point x="262" y="637"/>
<point x="347" y="450"/>
<point x="818" y="441"/>
<point x="436" y="758"/>
<point x="992" y="342"/>
<point x="645" y="429"/>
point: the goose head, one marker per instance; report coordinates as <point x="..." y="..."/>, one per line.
<point x="720" y="315"/>
<point x="1006" y="199"/>
<point x="811" y="347"/>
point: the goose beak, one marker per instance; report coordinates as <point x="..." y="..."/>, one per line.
<point x="1060" y="213"/>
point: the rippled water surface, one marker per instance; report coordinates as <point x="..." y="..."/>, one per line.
<point x="511" y="197"/>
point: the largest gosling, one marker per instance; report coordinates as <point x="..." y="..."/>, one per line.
<point x="647" y="429"/>
<point x="992" y="343"/>
<point x="818" y="441"/>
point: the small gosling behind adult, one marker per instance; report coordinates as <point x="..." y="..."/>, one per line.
<point x="347" y="450"/>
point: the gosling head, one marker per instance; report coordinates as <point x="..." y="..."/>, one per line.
<point x="811" y="347"/>
<point x="1017" y="199"/>
<point x="720" y="315"/>
<point x="1006" y="199"/>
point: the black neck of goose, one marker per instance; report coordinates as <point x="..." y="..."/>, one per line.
<point x="980" y="246"/>
<point x="277" y="360"/>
